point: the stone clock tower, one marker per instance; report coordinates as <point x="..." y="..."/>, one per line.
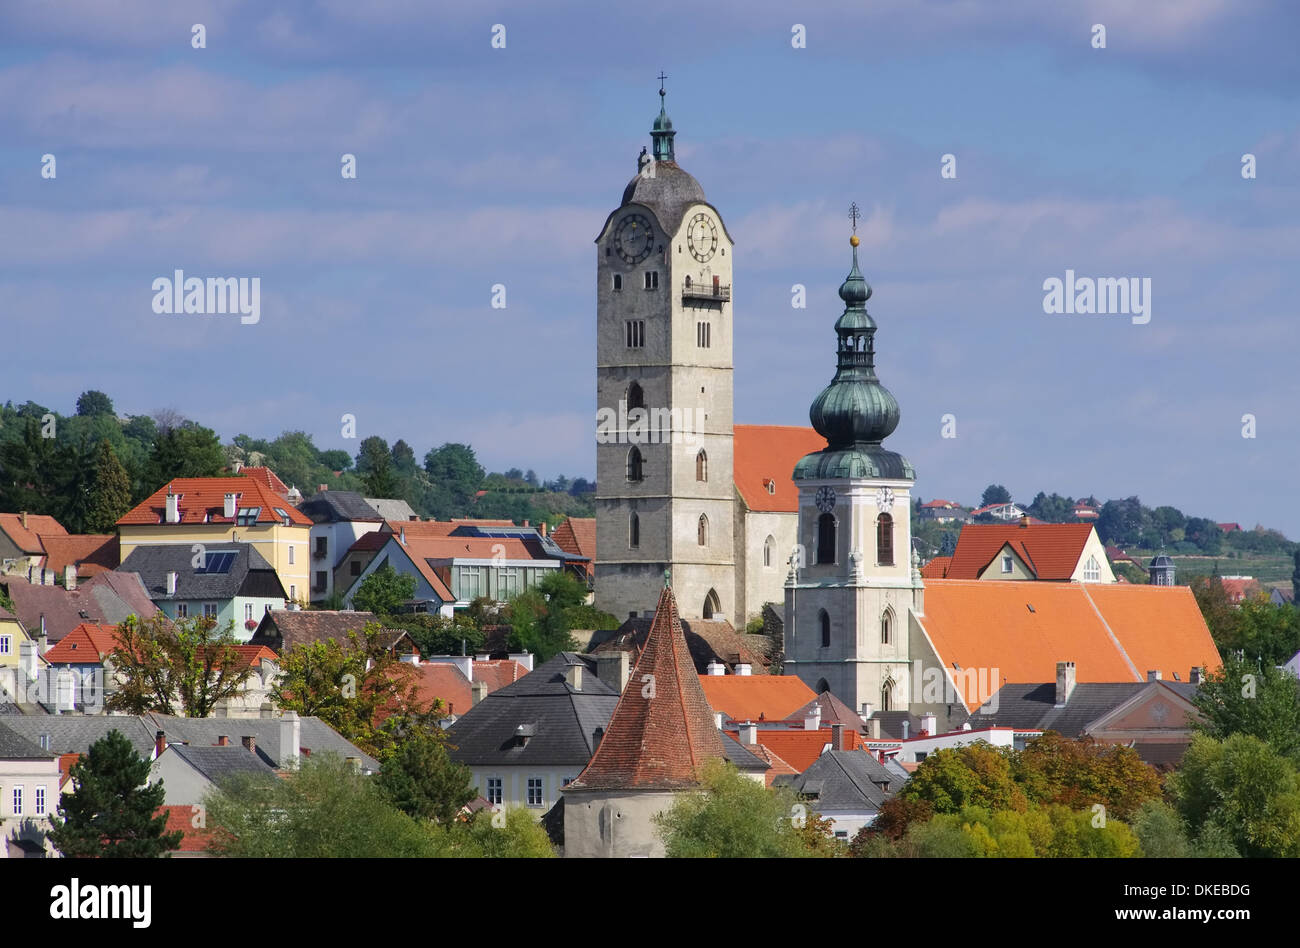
<point x="665" y="495"/>
<point x="848" y="603"/>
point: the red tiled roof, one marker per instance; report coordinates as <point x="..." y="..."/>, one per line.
<point x="765" y="455"/>
<point x="266" y="477"/>
<point x="28" y="538"/>
<point x="800" y="748"/>
<point x="939" y="503"/>
<point x="446" y="682"/>
<point x="1228" y="527"/>
<point x="202" y="500"/>
<point x="1015" y="631"/>
<point x="90" y="553"/>
<point x="1238" y="588"/>
<point x="430" y="551"/>
<point x="577" y="535"/>
<point x="749" y="697"/>
<point x="1051" y="550"/>
<point x="499" y="672"/>
<point x="181" y="818"/>
<point x="657" y="740"/>
<point x="937" y="568"/>
<point x="776" y="766"/>
<point x="65" y="767"/>
<point x="87" y="644"/>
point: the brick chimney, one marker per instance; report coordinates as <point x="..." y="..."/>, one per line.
<point x="837" y="737"/>
<point x="1065" y="679"/>
<point x="223" y="740"/>
<point x="70" y="577"/>
<point x="541" y="528"/>
<point x="24" y="519"/>
<point x="1024" y="520"/>
<point x="250" y="743"/>
<point x="159" y="744"/>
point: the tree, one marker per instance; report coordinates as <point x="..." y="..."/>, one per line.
<point x="1081" y="773"/>
<point x="1218" y="612"/>
<point x="110" y="495"/>
<point x="1053" y="508"/>
<point x="1163" y="835"/>
<point x="94" y="403"/>
<point x="995" y="494"/>
<point x="440" y="635"/>
<point x="543" y="617"/>
<point x="972" y="775"/>
<point x="403" y="458"/>
<point x="1122" y="522"/>
<point x="1244" y="788"/>
<point x="421" y="780"/>
<point x="733" y="817"/>
<point x="374" y="463"/>
<point x="184" y="450"/>
<point x="1261" y="630"/>
<point x="383" y="591"/>
<point x="112" y="811"/>
<point x="172" y="666"/>
<point x="1251" y="697"/>
<point x="456" y="476"/>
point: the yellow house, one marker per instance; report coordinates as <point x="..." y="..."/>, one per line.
<point x="205" y="512"/>
<point x="12" y="637"/>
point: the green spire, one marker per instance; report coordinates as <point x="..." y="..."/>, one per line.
<point x="661" y="133"/>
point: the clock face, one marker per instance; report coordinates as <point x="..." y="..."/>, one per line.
<point x="702" y="237"/>
<point x="826" y="499"/>
<point x="634" y="238"/>
<point x="884" y="498"/>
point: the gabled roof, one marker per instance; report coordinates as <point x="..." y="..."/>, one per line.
<point x="751" y="697"/>
<point x="800" y="747"/>
<point x="180" y="819"/>
<point x="202" y="500"/>
<point x="90" y="553"/>
<point x="266" y="477"/>
<point x="283" y="629"/>
<point x="498" y="672"/>
<point x="391" y="509"/>
<point x="776" y="766"/>
<point x="763" y="460"/>
<point x="108" y="598"/>
<point x="87" y="644"/>
<point x="1032" y="706"/>
<point x="13" y="746"/>
<point x="339" y="506"/>
<point x="1051" y="550"/>
<point x="577" y="535"/>
<point x="937" y="568"/>
<point x="154" y="561"/>
<point x="28" y="538"/>
<point x="834" y="711"/>
<point x="218" y="763"/>
<point x="446" y="682"/>
<point x="709" y="640"/>
<point x="940" y="504"/>
<point x="1018" y="631"/>
<point x="845" y="780"/>
<point x="656" y="739"/>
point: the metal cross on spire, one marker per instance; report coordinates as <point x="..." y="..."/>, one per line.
<point x="661" y="78"/>
<point x="854" y="214"/>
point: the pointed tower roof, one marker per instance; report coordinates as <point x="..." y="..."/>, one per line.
<point x="658" y="737"/>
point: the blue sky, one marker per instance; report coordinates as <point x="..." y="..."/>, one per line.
<point x="479" y="166"/>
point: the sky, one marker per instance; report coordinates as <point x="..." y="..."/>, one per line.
<point x="479" y="165"/>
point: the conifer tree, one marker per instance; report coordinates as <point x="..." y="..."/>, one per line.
<point x="110" y="493"/>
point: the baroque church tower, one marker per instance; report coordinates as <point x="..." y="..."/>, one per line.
<point x="665" y="493"/>
<point x="853" y="583"/>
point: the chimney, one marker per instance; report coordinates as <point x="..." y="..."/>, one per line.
<point x="907" y="726"/>
<point x="613" y="670"/>
<point x="837" y="737"/>
<point x="868" y="709"/>
<point x="321" y="488"/>
<point x="573" y="675"/>
<point x="716" y="668"/>
<point x="159" y="744"/>
<point x="929" y="724"/>
<point x="27" y="652"/>
<point x="873" y="729"/>
<point x="1197" y="675"/>
<point x="44" y="633"/>
<point x="229" y="509"/>
<point x="749" y="733"/>
<point x="24" y="519"/>
<point x="718" y="717"/>
<point x="402" y="538"/>
<point x="223" y="740"/>
<point x="523" y="658"/>
<point x="70" y="577"/>
<point x="541" y="528"/>
<point x="477" y="691"/>
<point x="813" y="720"/>
<point x="525" y="521"/>
<point x="42" y="640"/>
<point x="171" y="582"/>
<point x="1024" y="520"/>
<point x="250" y="743"/>
<point x="173" y="506"/>
<point x="1064" y="682"/>
<point x="1153" y="675"/>
<point x="239" y="466"/>
<point x="743" y="668"/>
<point x="290" y="740"/>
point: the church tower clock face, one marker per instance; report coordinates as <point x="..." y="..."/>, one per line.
<point x="702" y="237"/>
<point x="634" y="238"/>
<point x="826" y="499"/>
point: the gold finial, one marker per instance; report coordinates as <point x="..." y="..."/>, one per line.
<point x="853" y="241"/>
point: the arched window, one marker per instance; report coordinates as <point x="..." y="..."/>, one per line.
<point x="768" y="544"/>
<point x="885" y="540"/>
<point x="1092" y="570"/>
<point x="824" y="621"/>
<point x="635" y="397"/>
<point x="712" y="605"/>
<point x="701" y="466"/>
<point x="826" y="538"/>
<point x="887" y="696"/>
<point x="823" y="686"/>
<point x="702" y="533"/>
<point x="634" y="531"/>
<point x="886" y="626"/>
<point x="634" y="472"/>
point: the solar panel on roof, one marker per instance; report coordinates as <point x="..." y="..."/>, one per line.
<point x="218" y="562"/>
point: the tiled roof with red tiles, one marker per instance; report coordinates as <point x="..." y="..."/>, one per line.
<point x="799" y="747"/>
<point x="87" y="644"/>
<point x="710" y="640"/>
<point x="65" y="768"/>
<point x="777" y="767"/>
<point x="445" y="682"/>
<point x="266" y="477"/>
<point x="937" y="568"/>
<point x="498" y="672"/>
<point x="26" y="530"/>
<point x="1051" y="550"/>
<point x="90" y="553"/>
<point x="577" y="535"/>
<point x="1013" y="631"/>
<point x="283" y="629"/>
<point x="428" y="553"/>
<point x="657" y="739"/>
<point x="1239" y="587"/>
<point x="181" y="819"/>
<point x="1228" y="527"/>
<point x="750" y="697"/>
<point x="945" y="504"/>
<point x="763" y="460"/>
<point x="202" y="500"/>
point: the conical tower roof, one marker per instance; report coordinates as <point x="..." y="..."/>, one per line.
<point x="658" y="737"/>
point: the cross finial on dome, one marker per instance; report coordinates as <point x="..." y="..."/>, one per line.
<point x="661" y="78"/>
<point x="854" y="214"/>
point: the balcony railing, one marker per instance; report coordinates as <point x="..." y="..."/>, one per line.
<point x="706" y="291"/>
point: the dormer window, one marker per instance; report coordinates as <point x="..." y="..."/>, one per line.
<point x="248" y="516"/>
<point x="1092" y="570"/>
<point x="1007" y="562"/>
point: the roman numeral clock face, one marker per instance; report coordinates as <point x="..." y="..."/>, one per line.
<point x="634" y="238"/>
<point x="702" y="237"/>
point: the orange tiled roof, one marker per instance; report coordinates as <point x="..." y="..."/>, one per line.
<point x="657" y="740"/>
<point x="776" y="766"/>
<point x="937" y="568"/>
<point x="202" y="500"/>
<point x="446" y="682"/>
<point x="1112" y="633"/>
<point x="498" y="672"/>
<point x="767" y="454"/>
<point x="749" y="697"/>
<point x="266" y="477"/>
<point x="443" y="549"/>
<point x="800" y="748"/>
<point x="1238" y="588"/>
<point x="577" y="535"/>
<point x="1051" y="550"/>
<point x="28" y="538"/>
<point x="181" y="818"/>
<point x="87" y="644"/>
<point x="90" y="553"/>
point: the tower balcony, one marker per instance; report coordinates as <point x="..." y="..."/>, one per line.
<point x="706" y="291"/>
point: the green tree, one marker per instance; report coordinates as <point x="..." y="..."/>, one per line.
<point x="1163" y="835"/>
<point x="973" y="775"/>
<point x="440" y="635"/>
<point x="456" y="476"/>
<point x="94" y="403"/>
<point x="543" y="617"/>
<point x="110" y="495"/>
<point x="375" y="465"/>
<point x="512" y="834"/>
<point x="995" y="494"/>
<point x="422" y="780"/>
<point x="1250" y="697"/>
<point x="175" y="666"/>
<point x="186" y="450"/>
<point x="1053" y="508"/>
<point x="112" y="811"/>
<point x="1081" y="773"/>
<point x="733" y="817"/>
<point x="383" y="591"/>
